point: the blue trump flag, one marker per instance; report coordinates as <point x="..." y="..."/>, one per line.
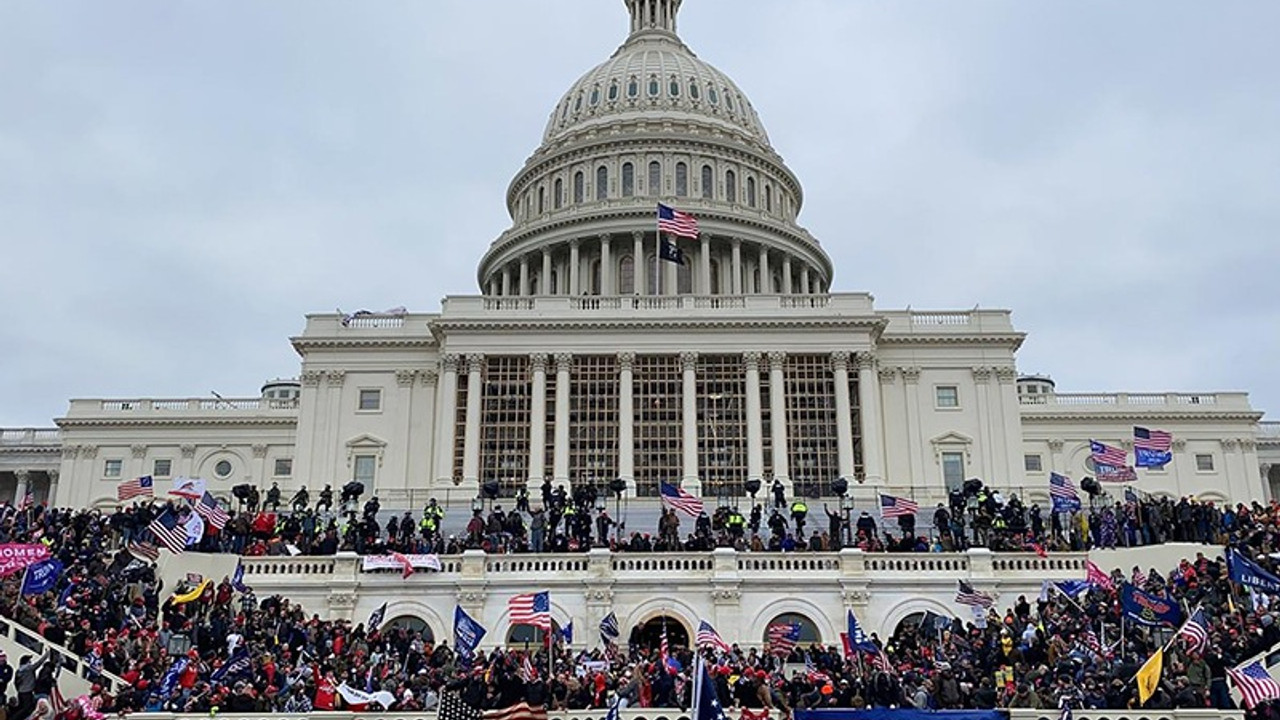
<point x="1148" y="609"/>
<point x="566" y="633"/>
<point x="1251" y="574"/>
<point x="858" y="639"/>
<point x="41" y="577"/>
<point x="236" y="665"/>
<point x="467" y="633"/>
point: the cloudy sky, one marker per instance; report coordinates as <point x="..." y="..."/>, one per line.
<point x="181" y="182"/>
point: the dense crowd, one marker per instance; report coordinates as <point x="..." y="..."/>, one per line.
<point x="110" y="609"/>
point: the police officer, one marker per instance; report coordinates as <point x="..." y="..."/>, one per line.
<point x="273" y="497"/>
<point x="326" y="499"/>
<point x="736" y="524"/>
<point x="301" y="499"/>
<point x="799" y="511"/>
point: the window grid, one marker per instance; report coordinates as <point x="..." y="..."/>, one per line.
<point x="708" y="183"/>
<point x="627" y="275"/>
<point x="658" y="391"/>
<point x="855" y="410"/>
<point x="628" y="180"/>
<point x="655" y="178"/>
<point x="460" y="424"/>
<point x="682" y="179"/>
<point x="730" y="186"/>
<point x="549" y="453"/>
<point x="505" y="410"/>
<point x="164" y="467"/>
<point x="812" y="453"/>
<point x="722" y="424"/>
<point x="766" y="422"/>
<point x="579" y="188"/>
<point x="602" y="182"/>
<point x="593" y="419"/>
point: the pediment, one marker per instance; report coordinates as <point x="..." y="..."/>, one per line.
<point x="951" y="437"/>
<point x="366" y="441"/>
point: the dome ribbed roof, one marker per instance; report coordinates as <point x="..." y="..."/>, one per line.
<point x="654" y="74"/>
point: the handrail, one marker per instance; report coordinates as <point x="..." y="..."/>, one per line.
<point x="679" y="714"/>
<point x="16" y="632"/>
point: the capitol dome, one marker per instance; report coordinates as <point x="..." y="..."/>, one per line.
<point x="654" y="124"/>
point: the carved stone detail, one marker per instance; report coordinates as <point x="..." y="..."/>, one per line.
<point x="1179" y="444"/>
<point x="888" y="375"/>
<point x="751" y="359"/>
<point x="1248" y="444"/>
<point x="139" y="451"/>
<point x="1230" y="443"/>
<point x="70" y="451"/>
<point x="599" y="595"/>
<point x="626" y="360"/>
<point x="538" y="361"/>
<point x="564" y="362"/>
<point x="188" y="450"/>
<point x="855" y="596"/>
<point x="688" y="360"/>
<point x="335" y="378"/>
<point x="866" y="360"/>
<point x="475" y="363"/>
<point x="259" y="450"/>
<point x="89" y="451"/>
<point x="981" y="375"/>
<point x="840" y="360"/>
<point x="1056" y="444"/>
<point x="726" y="594"/>
<point x="910" y="374"/>
<point x="342" y="601"/>
<point x="311" y="378"/>
<point x="404" y="378"/>
<point x="428" y="377"/>
<point x="1006" y="374"/>
<point x="471" y="596"/>
<point x="777" y="359"/>
<point x="449" y="362"/>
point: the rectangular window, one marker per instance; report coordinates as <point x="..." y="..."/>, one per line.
<point x="1204" y="463"/>
<point x="284" y="467"/>
<point x="947" y="396"/>
<point x="953" y="470"/>
<point x="1031" y="463"/>
<point x="371" y="399"/>
<point x="112" y="468"/>
<point x="161" y="468"/>
<point x="365" y="469"/>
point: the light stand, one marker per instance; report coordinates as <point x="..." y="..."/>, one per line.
<point x="846" y="506"/>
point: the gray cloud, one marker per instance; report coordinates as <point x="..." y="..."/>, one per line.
<point x="181" y="182"/>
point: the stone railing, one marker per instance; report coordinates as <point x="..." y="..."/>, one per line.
<point x="29" y="436"/>
<point x="678" y="714"/>
<point x="159" y="407"/>
<point x="1269" y="430"/>
<point x="462" y="307"/>
<point x="1182" y="402"/>
<point x="38" y="645"/>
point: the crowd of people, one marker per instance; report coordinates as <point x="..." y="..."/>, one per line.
<point x="231" y="650"/>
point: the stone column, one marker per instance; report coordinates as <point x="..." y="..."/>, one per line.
<point x="506" y="280"/>
<point x="564" y="361"/>
<point x="844" y="415"/>
<point x="804" y="281"/>
<point x="735" y="284"/>
<point x="494" y="285"/>
<point x="538" y="423"/>
<point x="606" y="267"/>
<point x="53" y="486"/>
<point x="639" y="264"/>
<point x="872" y="418"/>
<point x="755" y="425"/>
<point x="689" y="422"/>
<point x="626" y="421"/>
<point x="766" y="282"/>
<point x="544" y="285"/>
<point x="24" y="483"/>
<point x="575" y="269"/>
<point x="786" y="274"/>
<point x="445" y="422"/>
<point x="524" y="276"/>
<point x="778" y="416"/>
<point x="704" y="264"/>
<point x="471" y="439"/>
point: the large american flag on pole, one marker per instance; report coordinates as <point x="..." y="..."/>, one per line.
<point x="137" y="487"/>
<point x="894" y="507"/>
<point x="678" y="499"/>
<point x="531" y="609"/>
<point x="676" y="223"/>
<point x="966" y="595"/>
<point x="707" y="635"/>
<point x="1254" y="683"/>
<point x="1196" y="631"/>
<point x="170" y="531"/>
<point x="209" y="509"/>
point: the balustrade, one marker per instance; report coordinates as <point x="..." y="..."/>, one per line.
<point x="678" y="714"/>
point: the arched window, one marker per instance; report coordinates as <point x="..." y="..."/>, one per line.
<point x="715" y="278"/>
<point x="731" y="186"/>
<point x="533" y="283"/>
<point x="526" y="204"/>
<point x="602" y="182"/>
<point x="808" y="629"/>
<point x="674" y="87"/>
<point x="578" y="187"/>
<point x="633" y="88"/>
<point x="694" y="92"/>
<point x="628" y="180"/>
<point x="682" y="179"/>
<point x="751" y="192"/>
<point x="768" y="198"/>
<point x="577" y="104"/>
<point x="613" y="91"/>
<point x="713" y="95"/>
<point x="542" y="199"/>
<point x="595" y="96"/>
<point x="655" y="178"/>
<point x="627" y="275"/>
<point x="708" y="182"/>
<point x="654" y="86"/>
<point x="777" y="282"/>
<point x="728" y="101"/>
<point x="558" y="197"/>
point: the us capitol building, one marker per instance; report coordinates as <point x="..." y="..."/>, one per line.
<point x="585" y="358"/>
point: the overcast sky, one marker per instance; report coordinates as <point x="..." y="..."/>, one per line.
<point x="181" y="182"/>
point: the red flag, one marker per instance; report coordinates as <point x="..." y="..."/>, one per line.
<point x="405" y="564"/>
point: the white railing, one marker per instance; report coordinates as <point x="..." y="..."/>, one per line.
<point x="1269" y="429"/>
<point x="361" y="322"/>
<point x="185" y="405"/>
<point x="941" y="318"/>
<point x="751" y="304"/>
<point x="1180" y="400"/>
<point x="37" y="644"/>
<point x="29" y="436"/>
<point x="679" y="714"/>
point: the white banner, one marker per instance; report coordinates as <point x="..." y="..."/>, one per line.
<point x="389" y="562"/>
<point x="358" y="697"/>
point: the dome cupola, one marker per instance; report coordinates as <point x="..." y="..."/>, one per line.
<point x="653" y="124"/>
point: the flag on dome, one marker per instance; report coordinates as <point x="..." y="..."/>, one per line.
<point x="1151" y="448"/>
<point x="1063" y="493"/>
<point x="966" y="595"/>
<point x="674" y="222"/>
<point x="707" y="635"/>
<point x="895" y="507"/>
<point x="678" y="499"/>
<point x="668" y="251"/>
<point x="531" y="609"/>
<point x="137" y="487"/>
<point x="1254" y="683"/>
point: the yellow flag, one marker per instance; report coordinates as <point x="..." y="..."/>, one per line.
<point x="1231" y="605"/>
<point x="191" y="596"/>
<point x="1149" y="676"/>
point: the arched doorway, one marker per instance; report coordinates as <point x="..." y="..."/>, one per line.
<point x="925" y="621"/>
<point x="649" y="633"/>
<point x="529" y="636"/>
<point x="808" y="629"/>
<point x="412" y="625"/>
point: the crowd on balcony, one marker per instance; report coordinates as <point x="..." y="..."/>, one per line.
<point x="227" y="649"/>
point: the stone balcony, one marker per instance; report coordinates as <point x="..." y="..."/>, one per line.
<point x="164" y="409"/>
<point x="600" y="307"/>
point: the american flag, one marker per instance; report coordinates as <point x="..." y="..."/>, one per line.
<point x="1060" y="486"/>
<point x="143" y="550"/>
<point x="783" y="638"/>
<point x="1095" y="576"/>
<point x="1090" y="640"/>
<point x="209" y="509"/>
<point x="1196" y="631"/>
<point x="1104" y="454"/>
<point x="452" y="707"/>
<point x="531" y="609"/>
<point x="1153" y="440"/>
<point x="676" y="223"/>
<point x="707" y="635"/>
<point x="170" y="531"/>
<point x="880" y="661"/>
<point x="894" y="507"/>
<point x="1254" y="683"/>
<point x="28" y="500"/>
<point x="1139" y="578"/>
<point x="966" y="595"/>
<point x="680" y="500"/>
<point x="137" y="487"/>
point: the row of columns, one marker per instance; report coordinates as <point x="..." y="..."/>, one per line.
<point x="23" y="485"/>
<point x="562" y="363"/>
<point x="515" y="278"/>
